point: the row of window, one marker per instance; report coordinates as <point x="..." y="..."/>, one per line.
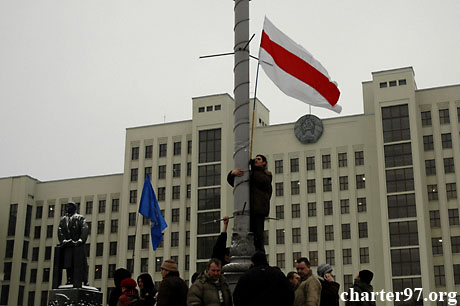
<point x="435" y="217"/>
<point x="451" y="191"/>
<point x="327" y="185"/>
<point x="428" y="142"/>
<point x="393" y="83"/>
<point x="325" y="162"/>
<point x="176" y="172"/>
<point x="444" y="117"/>
<point x="430" y="166"/>
<point x="209" y="108"/>
<point x="162" y="150"/>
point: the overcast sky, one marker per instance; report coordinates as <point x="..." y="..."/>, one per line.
<point x="75" y="74"/>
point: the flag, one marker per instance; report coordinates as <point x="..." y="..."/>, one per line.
<point x="294" y="70"/>
<point x="150" y="209"/>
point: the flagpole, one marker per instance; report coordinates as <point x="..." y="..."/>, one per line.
<point x="254" y="110"/>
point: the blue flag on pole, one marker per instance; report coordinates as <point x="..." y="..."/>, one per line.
<point x="150" y="209"/>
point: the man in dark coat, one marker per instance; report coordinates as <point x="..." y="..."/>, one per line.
<point x="173" y="290"/>
<point x="260" y="184"/>
<point x="362" y="284"/>
<point x="118" y="276"/>
<point x="329" y="287"/>
<point x="72" y="234"/>
<point x="263" y="285"/>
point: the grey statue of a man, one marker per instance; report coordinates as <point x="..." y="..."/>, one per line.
<point x="72" y="234"/>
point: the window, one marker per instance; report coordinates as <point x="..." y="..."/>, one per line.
<point x="147" y="172"/>
<point x="39" y="212"/>
<point x="458" y="114"/>
<point x="133" y="196"/>
<point x="359" y="158"/>
<point x="426" y="118"/>
<point x="400" y="180"/>
<point x="342" y="160"/>
<point x="329" y="232"/>
<point x="436" y="246"/>
<point x="280" y="236"/>
<point x="89" y="207"/>
<point x="209" y="108"/>
<point x="35" y="253"/>
<point x="383" y="84"/>
<point x="161" y="171"/>
<point x="346" y="253"/>
<point x="362" y="229"/>
<point x="347" y="282"/>
<point x="326" y="159"/>
<point x="435" y="218"/>
<point x="7" y="270"/>
<point x="280" y="260"/>
<point x="402" y="82"/>
<point x="279" y="189"/>
<point x="132" y="219"/>
<point x="449" y="165"/>
<point x="111" y="271"/>
<point x="175" y="215"/>
<point x="295" y="187"/>
<point x="403" y="233"/>
<point x="176" y="193"/>
<point x="200" y="110"/>
<point x="49" y="231"/>
<point x="99" y="249"/>
<point x="312" y="209"/>
<point x="163" y="150"/>
<point x="398" y="155"/>
<point x="439" y="276"/>
<point x="115" y="205"/>
<point x="428" y="144"/>
<point x="430" y="167"/>
<point x="208" y="198"/>
<point x="296" y="237"/>
<point x="144" y="265"/>
<point x="266" y="237"/>
<point x="37" y="232"/>
<point x="134" y="173"/>
<point x="346" y="232"/>
<point x="313" y="256"/>
<point x="401" y="206"/>
<point x="161" y="193"/>
<point x="295" y="256"/>
<point x="328" y="208"/>
<point x="113" y="248"/>
<point x="294" y="165"/>
<point x="131" y="242"/>
<point x="311" y="186"/>
<point x="100" y="227"/>
<point x="174" y="239"/>
<point x="455" y="244"/>
<point x="363" y="255"/>
<point x="217" y="107"/>
<point x="187" y="238"/>
<point x="134" y="153"/>
<point x="51" y="210"/>
<point x="360" y="181"/>
<point x="327" y="184"/>
<point x="114" y="226"/>
<point x="278" y="166"/>
<point x="405" y="262"/>
<point x="189" y="147"/>
<point x="395" y="122"/>
<point x="279" y="211"/>
<point x="46" y="275"/>
<point x="98" y="272"/>
<point x="344" y="206"/>
<point x="330" y="257"/>
<point x="295" y="210"/>
<point x="446" y="140"/>
<point x="208" y="175"/>
<point x="177" y="148"/>
<point x="33" y="276"/>
<point x="457" y="274"/>
<point x="392" y="83"/>
<point x="451" y="190"/>
<point x="187" y="214"/>
<point x="310" y="163"/>
<point x="343" y="182"/>
<point x="148" y="151"/>
<point x="210" y="145"/>
<point x="453" y="217"/>
<point x="189" y="169"/>
<point x="208" y="228"/>
<point x="101" y="206"/>
<point x="48" y="253"/>
<point x="432" y="192"/>
<point x="312" y="234"/>
<point x="444" y="116"/>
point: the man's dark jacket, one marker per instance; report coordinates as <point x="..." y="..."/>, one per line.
<point x="172" y="291"/>
<point x="329" y="293"/>
<point x="360" y="287"/>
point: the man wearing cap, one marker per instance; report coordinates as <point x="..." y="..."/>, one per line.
<point x="210" y="289"/>
<point x="309" y="291"/>
<point x="329" y="287"/>
<point x="173" y="290"/>
<point x="362" y="284"/>
<point x="129" y="295"/>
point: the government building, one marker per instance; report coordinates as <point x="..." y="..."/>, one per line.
<point x="376" y="191"/>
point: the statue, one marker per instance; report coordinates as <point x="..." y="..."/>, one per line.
<point x="70" y="253"/>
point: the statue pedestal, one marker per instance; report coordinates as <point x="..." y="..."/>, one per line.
<point x="69" y="296"/>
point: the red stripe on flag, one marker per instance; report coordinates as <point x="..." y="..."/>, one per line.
<point x="300" y="69"/>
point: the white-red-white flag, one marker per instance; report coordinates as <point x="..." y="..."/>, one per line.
<point x="294" y="70"/>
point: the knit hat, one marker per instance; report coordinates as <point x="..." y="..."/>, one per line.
<point x="366" y="276"/>
<point x="128" y="283"/>
<point x="169" y="265"/>
<point x="323" y="269"/>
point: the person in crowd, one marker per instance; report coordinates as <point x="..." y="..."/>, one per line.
<point x="294" y="279"/>
<point x="129" y="295"/>
<point x="118" y="276"/>
<point x="260" y="185"/>
<point x="362" y="284"/>
<point x="210" y="289"/>
<point x="329" y="287"/>
<point x="173" y="290"/>
<point x="195" y="276"/>
<point x="263" y="285"/>
<point x="308" y="293"/>
<point x="147" y="289"/>
<point x="220" y="249"/>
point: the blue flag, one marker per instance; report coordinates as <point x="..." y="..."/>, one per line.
<point x="150" y="209"/>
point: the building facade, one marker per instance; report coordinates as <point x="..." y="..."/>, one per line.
<point x="376" y="191"/>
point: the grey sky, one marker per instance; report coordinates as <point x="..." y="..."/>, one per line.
<point x="75" y="74"/>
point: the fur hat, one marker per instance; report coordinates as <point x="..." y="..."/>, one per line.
<point x="366" y="276"/>
<point x="169" y="265"/>
<point x="128" y="283"/>
<point x="323" y="269"/>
